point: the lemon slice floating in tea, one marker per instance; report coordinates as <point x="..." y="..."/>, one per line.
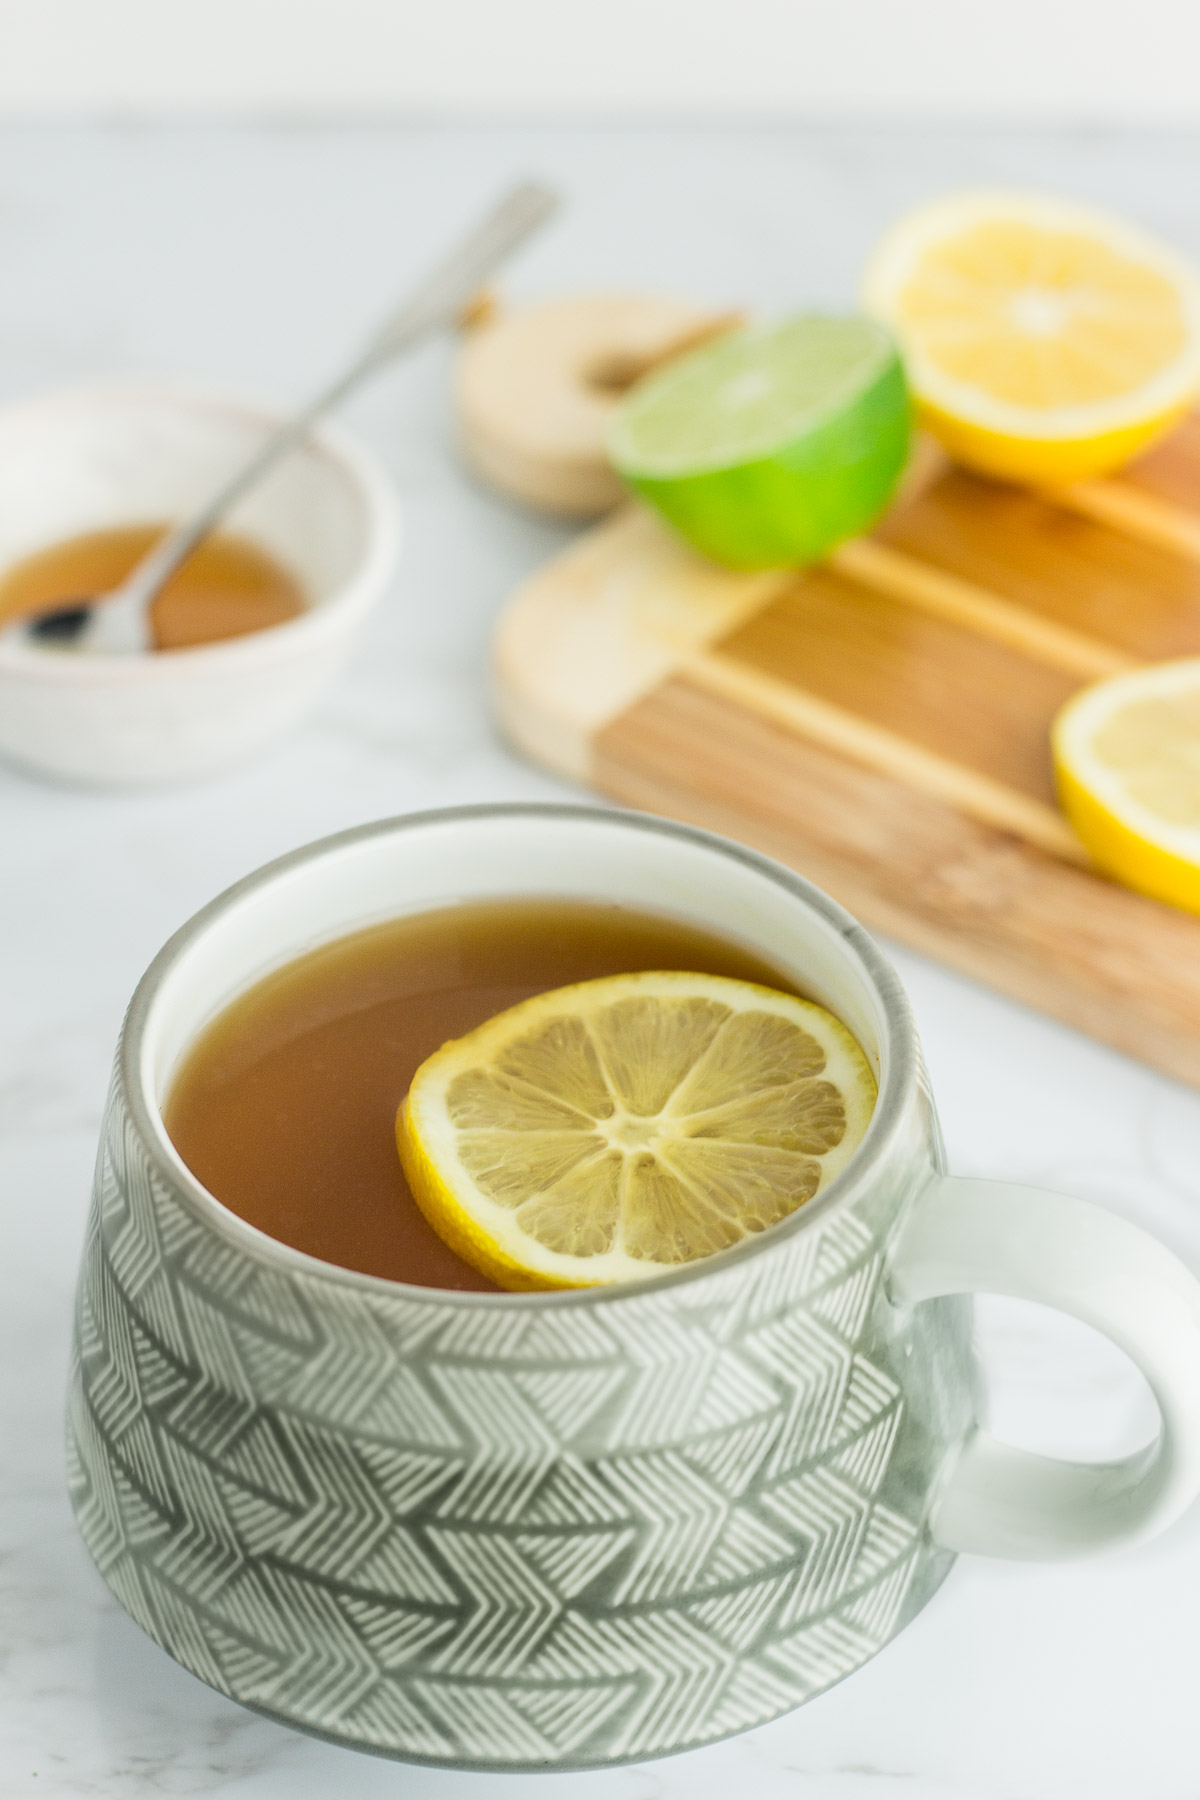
<point x="769" y="446"/>
<point x="1127" y="758"/>
<point x="622" y="1127"/>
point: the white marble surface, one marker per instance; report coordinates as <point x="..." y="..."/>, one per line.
<point x="255" y="255"/>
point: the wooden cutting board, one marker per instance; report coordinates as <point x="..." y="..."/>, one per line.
<point x="881" y="722"/>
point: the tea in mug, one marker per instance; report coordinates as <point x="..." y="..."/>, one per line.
<point x="285" y="1106"/>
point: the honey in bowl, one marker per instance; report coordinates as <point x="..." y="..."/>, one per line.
<point x="284" y="1107"/>
<point x="227" y="588"/>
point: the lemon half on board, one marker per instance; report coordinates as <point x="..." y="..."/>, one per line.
<point x="622" y="1127"/>
<point x="1127" y="760"/>
<point x="1044" y="343"/>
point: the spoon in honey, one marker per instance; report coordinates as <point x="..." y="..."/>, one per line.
<point x="119" y="623"/>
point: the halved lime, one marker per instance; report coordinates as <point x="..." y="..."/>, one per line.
<point x="773" y="444"/>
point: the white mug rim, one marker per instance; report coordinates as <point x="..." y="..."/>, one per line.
<point x="899" y="1058"/>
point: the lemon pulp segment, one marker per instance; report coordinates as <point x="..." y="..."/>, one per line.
<point x="621" y="1127"/>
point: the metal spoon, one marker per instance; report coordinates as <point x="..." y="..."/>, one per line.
<point x="119" y="623"/>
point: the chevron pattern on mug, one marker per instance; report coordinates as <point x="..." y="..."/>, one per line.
<point x="504" y="1533"/>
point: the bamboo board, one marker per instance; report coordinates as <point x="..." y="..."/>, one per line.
<point x="880" y="723"/>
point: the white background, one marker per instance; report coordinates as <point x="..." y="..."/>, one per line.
<point x="1053" y="61"/>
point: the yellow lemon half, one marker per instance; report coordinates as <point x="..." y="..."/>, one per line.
<point x="618" y="1128"/>
<point x="1127" y="758"/>
<point x="1044" y="343"/>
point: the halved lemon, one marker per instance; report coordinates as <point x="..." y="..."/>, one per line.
<point x="1127" y="758"/>
<point x="619" y="1128"/>
<point x="1044" y="343"/>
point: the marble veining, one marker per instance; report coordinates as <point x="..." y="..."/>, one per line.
<point x="254" y="255"/>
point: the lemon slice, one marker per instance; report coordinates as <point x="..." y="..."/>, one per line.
<point x="618" y="1128"/>
<point x="1127" y="758"/>
<point x="1044" y="343"/>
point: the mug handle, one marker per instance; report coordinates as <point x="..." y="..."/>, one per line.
<point x="966" y="1236"/>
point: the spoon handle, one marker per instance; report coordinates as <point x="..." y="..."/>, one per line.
<point x="122" y="624"/>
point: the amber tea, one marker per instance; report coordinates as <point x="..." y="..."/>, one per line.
<point x="285" y="1106"/>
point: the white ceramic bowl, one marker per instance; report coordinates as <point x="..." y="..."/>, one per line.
<point x="134" y="452"/>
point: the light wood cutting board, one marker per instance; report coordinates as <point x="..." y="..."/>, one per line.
<point x="881" y="722"/>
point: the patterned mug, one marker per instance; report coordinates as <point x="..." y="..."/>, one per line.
<point x="568" y="1529"/>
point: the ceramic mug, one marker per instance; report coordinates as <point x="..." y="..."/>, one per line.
<point x="569" y="1529"/>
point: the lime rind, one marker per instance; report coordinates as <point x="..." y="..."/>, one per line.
<point x="816" y="455"/>
<point x="747" y="397"/>
<point x="794" y="507"/>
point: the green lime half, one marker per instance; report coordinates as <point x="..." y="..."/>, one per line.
<point x="771" y="445"/>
